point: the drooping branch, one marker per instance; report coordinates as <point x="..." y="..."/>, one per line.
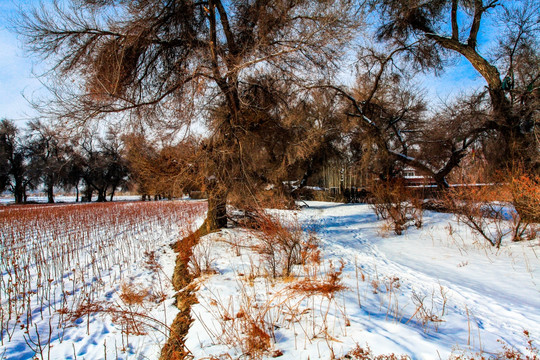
<point x="489" y="72"/>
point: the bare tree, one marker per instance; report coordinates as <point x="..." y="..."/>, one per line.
<point x="104" y="167"/>
<point x="176" y="60"/>
<point x="435" y="30"/>
<point x="15" y="174"/>
<point x="47" y="155"/>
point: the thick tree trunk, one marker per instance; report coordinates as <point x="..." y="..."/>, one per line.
<point x="216" y="217"/>
<point x="77" y="192"/>
<point x="441" y="182"/>
<point x="19" y="197"/>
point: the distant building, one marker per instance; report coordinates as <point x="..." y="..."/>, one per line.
<point x="413" y="178"/>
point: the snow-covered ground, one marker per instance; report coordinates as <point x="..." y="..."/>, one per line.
<point x="429" y="293"/>
<point x="98" y="286"/>
<point x="89" y="281"/>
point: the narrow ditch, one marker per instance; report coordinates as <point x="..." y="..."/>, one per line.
<point x="183" y="284"/>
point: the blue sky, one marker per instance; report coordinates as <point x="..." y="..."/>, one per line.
<point x="17" y="79"/>
<point x="15" y="68"/>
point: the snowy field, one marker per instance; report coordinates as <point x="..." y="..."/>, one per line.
<point x="431" y="293"/>
<point x="89" y="281"/>
<point x="92" y="281"/>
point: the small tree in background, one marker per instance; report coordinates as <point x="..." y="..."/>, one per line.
<point x="15" y="176"/>
<point x="47" y="156"/>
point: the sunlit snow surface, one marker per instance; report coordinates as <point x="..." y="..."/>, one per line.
<point x="67" y="271"/>
<point x="471" y="294"/>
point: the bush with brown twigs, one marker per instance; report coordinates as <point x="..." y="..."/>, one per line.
<point x="508" y="208"/>
<point x="392" y="201"/>
<point x="283" y="243"/>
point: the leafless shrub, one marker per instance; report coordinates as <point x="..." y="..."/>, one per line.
<point x="427" y="311"/>
<point x="392" y="201"/>
<point x="283" y="244"/>
<point x="201" y="259"/>
<point x="480" y="208"/>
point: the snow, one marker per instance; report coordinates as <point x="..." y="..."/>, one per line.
<point x="80" y="262"/>
<point x="429" y="293"/>
<point x="473" y="294"/>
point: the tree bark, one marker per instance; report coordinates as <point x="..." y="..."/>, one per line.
<point x="50" y="194"/>
<point x="102" y="196"/>
<point x="19" y="196"/>
<point x="112" y="193"/>
<point x="216" y="217"/>
<point x="88" y="194"/>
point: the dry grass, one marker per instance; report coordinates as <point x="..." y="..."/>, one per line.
<point x="131" y="294"/>
<point x="365" y="353"/>
<point x="327" y="286"/>
<point x="507" y="353"/>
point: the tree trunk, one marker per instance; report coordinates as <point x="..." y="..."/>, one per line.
<point x="441" y="182"/>
<point x="102" y="195"/>
<point x="50" y="194"/>
<point x="19" y="193"/>
<point x="88" y="194"/>
<point x="216" y="217"/>
<point x="77" y="191"/>
<point x="19" y="197"/>
<point x="112" y="193"/>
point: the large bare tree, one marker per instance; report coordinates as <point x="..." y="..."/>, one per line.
<point x="177" y="61"/>
<point x="437" y="30"/>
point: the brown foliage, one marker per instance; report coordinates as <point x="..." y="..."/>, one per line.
<point x="525" y="190"/>
<point x="131" y="295"/>
<point x="482" y="207"/>
<point x="114" y="67"/>
<point x="257" y="341"/>
<point x="169" y="171"/>
<point x="476" y="207"/>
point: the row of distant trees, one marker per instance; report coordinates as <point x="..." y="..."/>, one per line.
<point x="44" y="156"/>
